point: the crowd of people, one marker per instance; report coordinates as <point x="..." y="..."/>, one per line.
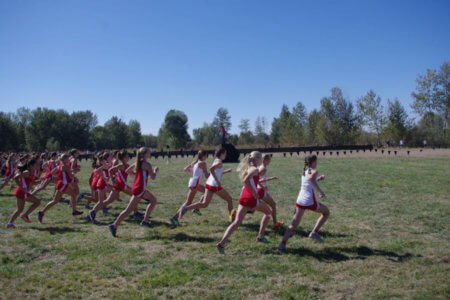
<point x="30" y="173"/>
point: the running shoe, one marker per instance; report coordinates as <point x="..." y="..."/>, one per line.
<point x="87" y="206"/>
<point x="278" y="224"/>
<point x="80" y="196"/>
<point x="40" y="216"/>
<point x="145" y="223"/>
<point x="197" y="212"/>
<point x="105" y="210"/>
<point x="11" y="226"/>
<point x="138" y="215"/>
<point x="232" y="216"/>
<point x="77" y="213"/>
<point x="262" y="239"/>
<point x="25" y="218"/>
<point x="174" y="222"/>
<point x="112" y="229"/>
<point x="182" y="212"/>
<point x="119" y="200"/>
<point x="220" y="248"/>
<point x="92" y="216"/>
<point x="282" y="248"/>
<point x="315" y="236"/>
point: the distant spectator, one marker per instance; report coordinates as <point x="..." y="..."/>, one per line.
<point x="424" y="143"/>
<point x="402" y="143"/>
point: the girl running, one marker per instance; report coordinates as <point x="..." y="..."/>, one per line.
<point x="92" y="183"/>
<point x="142" y="169"/>
<point x="48" y="166"/>
<point x="64" y="176"/>
<point x="214" y="186"/>
<point x="120" y="185"/>
<point x="197" y="168"/>
<point x="10" y="169"/>
<point x="307" y="200"/>
<point x="23" y="179"/>
<point x="249" y="199"/>
<point x="262" y="189"/>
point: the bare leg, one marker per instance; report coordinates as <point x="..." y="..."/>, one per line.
<point x="134" y="201"/>
<point x="36" y="202"/>
<point x="322" y="219"/>
<point x="203" y="203"/>
<point x="262" y="207"/>
<point x="295" y="222"/>
<point x="56" y="198"/>
<point x="190" y="197"/>
<point x="241" y="212"/>
<point x="113" y="196"/>
<point x="151" y="205"/>
<point x="273" y="206"/>
<point x="225" y="196"/>
<point x="19" y="209"/>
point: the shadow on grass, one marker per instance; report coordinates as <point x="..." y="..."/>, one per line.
<point x="179" y="237"/>
<point x="300" y="232"/>
<point x="57" y="230"/>
<point x="338" y="254"/>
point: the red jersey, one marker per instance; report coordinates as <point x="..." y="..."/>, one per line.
<point x="140" y="183"/>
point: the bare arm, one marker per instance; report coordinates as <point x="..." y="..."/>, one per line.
<point x="130" y="169"/>
<point x="212" y="171"/>
<point x="188" y="168"/>
<point x="268" y="179"/>
<point x="227" y="171"/>
<point x="148" y="166"/>
<point x="251" y="172"/>
<point x="202" y="165"/>
<point x="313" y="178"/>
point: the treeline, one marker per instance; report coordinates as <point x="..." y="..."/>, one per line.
<point x="338" y="121"/>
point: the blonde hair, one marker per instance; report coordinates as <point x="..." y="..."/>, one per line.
<point x="244" y="165"/>
<point x="63" y="157"/>
<point x="140" y="157"/>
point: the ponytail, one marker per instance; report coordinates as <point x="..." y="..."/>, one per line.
<point x="244" y="165"/>
<point x="309" y="160"/>
<point x="140" y="158"/>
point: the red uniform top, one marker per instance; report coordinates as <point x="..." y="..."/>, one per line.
<point x="73" y="164"/>
<point x="140" y="183"/>
<point x="102" y="180"/>
<point x="9" y="170"/>
<point x="93" y="179"/>
<point x="25" y="184"/>
<point x="48" y="173"/>
<point x="121" y="178"/>
<point x="61" y="183"/>
<point x="247" y="198"/>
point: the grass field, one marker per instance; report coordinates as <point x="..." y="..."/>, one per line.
<point x="388" y="236"/>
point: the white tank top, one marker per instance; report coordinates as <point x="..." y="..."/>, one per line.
<point x="305" y="197"/>
<point x="196" y="175"/>
<point x="262" y="184"/>
<point x="211" y="181"/>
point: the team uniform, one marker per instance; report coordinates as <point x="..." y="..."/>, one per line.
<point x="25" y="184"/>
<point x="140" y="183"/>
<point x="196" y="175"/>
<point x="120" y="183"/>
<point x="48" y="173"/>
<point x="211" y="183"/>
<point x="247" y="198"/>
<point x="306" y="198"/>
<point x="102" y="180"/>
<point x="73" y="164"/>
<point x="61" y="183"/>
<point x="261" y="187"/>
<point x="10" y="171"/>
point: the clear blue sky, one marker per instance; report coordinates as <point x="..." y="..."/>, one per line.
<point x="138" y="59"/>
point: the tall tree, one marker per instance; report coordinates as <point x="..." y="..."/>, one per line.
<point x="134" y="133"/>
<point x="174" y="130"/>
<point x="117" y="132"/>
<point x="246" y="136"/>
<point x="372" y="113"/>
<point x="396" y="128"/>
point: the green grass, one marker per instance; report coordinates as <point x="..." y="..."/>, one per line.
<point x="388" y="236"/>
